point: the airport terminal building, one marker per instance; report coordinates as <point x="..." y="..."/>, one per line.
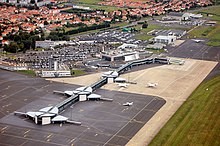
<point x="121" y="57"/>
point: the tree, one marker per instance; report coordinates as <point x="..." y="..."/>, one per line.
<point x="46" y="23"/>
<point x="145" y="25"/>
<point x="13" y="47"/>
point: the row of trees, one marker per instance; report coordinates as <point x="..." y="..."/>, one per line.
<point x="60" y="34"/>
<point x="22" y="41"/>
<point x="87" y="28"/>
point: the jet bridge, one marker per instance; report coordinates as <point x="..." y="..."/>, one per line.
<point x="129" y="65"/>
<point x="69" y="101"/>
<point x="76" y="97"/>
<point x="99" y="84"/>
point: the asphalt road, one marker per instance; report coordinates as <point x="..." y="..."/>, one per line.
<point x="103" y="123"/>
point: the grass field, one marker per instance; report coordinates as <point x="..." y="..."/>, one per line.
<point x="209" y="32"/>
<point x="197" y="121"/>
<point x="143" y="37"/>
<point x="214" y="11"/>
<point x="143" y="32"/>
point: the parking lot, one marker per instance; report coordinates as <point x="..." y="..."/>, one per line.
<point x="103" y="123"/>
<point x="115" y="36"/>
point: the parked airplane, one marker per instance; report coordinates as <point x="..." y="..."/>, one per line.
<point x="197" y="41"/>
<point x="128" y="104"/>
<point x="152" y="84"/>
<point x="124" y="85"/>
<point x="95" y="67"/>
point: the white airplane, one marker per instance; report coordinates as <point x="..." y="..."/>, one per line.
<point x="124" y="85"/>
<point x="152" y="84"/>
<point x="46" y="116"/>
<point x="95" y="67"/>
<point x="128" y="104"/>
<point x="197" y="41"/>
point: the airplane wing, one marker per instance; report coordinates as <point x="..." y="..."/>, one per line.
<point x="20" y="113"/>
<point x="94" y="96"/>
<point x="60" y="118"/>
<point x="59" y="92"/>
<point x="106" y="99"/>
<point x="74" y="122"/>
<point x="122" y="85"/>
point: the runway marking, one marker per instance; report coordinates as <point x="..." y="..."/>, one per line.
<point x="45" y="86"/>
<point x="3" y="113"/>
<point x="6" y="144"/>
<point x="72" y="140"/>
<point x="128" y="122"/>
<point x="91" y="140"/>
<point x="113" y="114"/>
<point x="49" y="136"/>
<point x="23" y="143"/>
<point x="4" y="128"/>
<point x="92" y="126"/>
<point x="14" y="136"/>
<point x="138" y="121"/>
<point x="27" y="131"/>
<point x="14" y="93"/>
<point x="124" y="109"/>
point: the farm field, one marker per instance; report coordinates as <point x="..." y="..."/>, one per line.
<point x="197" y="121"/>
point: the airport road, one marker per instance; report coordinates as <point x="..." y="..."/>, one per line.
<point x="108" y="123"/>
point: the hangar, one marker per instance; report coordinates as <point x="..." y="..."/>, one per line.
<point x="164" y="39"/>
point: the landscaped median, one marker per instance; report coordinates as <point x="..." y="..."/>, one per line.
<point x="197" y="121"/>
<point x="27" y="72"/>
<point x="76" y="72"/>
